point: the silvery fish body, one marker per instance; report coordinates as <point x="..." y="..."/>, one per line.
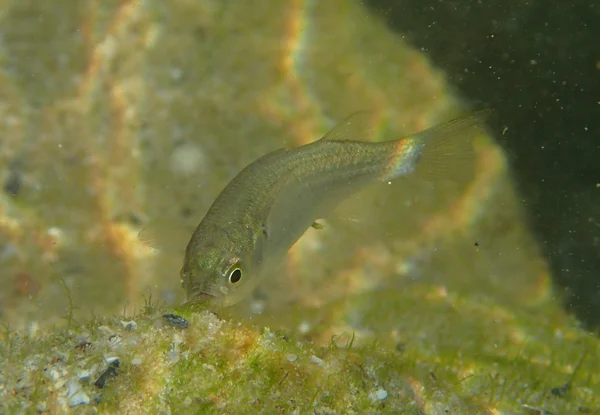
<point x="267" y="207"/>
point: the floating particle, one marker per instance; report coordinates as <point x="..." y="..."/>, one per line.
<point x="175" y="320"/>
<point x="188" y="159"/>
<point x="109" y="373"/>
<point x="257" y="307"/>
<point x="304" y="327"/>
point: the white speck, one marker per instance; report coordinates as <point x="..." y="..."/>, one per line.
<point x="176" y="73"/>
<point x="291" y="357"/>
<point x="304" y="327"/>
<point x="316" y="360"/>
<point x="188" y="159"/>
<point x="257" y="307"/>
<point x="137" y="360"/>
<point x="55" y="232"/>
<point x="208" y="367"/>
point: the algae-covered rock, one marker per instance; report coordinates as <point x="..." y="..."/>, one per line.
<point x="121" y="117"/>
<point x="198" y="362"/>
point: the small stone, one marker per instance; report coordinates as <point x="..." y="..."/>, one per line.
<point x="79" y="398"/>
<point x="175" y="320"/>
<point x="76" y="394"/>
<point x="110" y="359"/>
<point x="129" y="325"/>
<point x="291" y="357"/>
<point x="137" y="360"/>
<point x="381" y="394"/>
<point x="109" y="373"/>
<point x="174" y="356"/>
<point x="316" y="360"/>
<point x="83" y="374"/>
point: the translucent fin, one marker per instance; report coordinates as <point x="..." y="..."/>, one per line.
<point x="448" y="148"/>
<point x="146" y="237"/>
<point x="359" y="126"/>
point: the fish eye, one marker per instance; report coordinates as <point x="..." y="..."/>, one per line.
<point x="235" y="275"/>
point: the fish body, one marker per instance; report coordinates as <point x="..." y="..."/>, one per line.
<point x="267" y="207"/>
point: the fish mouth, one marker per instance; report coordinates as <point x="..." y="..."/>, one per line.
<point x="201" y="297"/>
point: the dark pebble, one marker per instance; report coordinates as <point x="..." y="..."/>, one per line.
<point x="175" y="320"/>
<point x="109" y="373"/>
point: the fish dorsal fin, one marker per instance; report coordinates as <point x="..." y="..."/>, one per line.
<point x="358" y="126"/>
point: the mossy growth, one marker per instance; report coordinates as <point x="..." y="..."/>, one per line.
<point x="214" y="364"/>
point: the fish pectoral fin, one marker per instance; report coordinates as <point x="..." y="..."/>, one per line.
<point x="317" y="225"/>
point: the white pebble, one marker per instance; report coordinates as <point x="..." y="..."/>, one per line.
<point x="83" y="374"/>
<point x="129" y="325"/>
<point x="110" y="358"/>
<point x="136" y="361"/>
<point x="79" y="398"/>
<point x="291" y="357"/>
<point x="316" y="360"/>
<point x="381" y="394"/>
<point x="76" y="394"/>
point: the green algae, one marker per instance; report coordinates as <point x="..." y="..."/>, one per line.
<point x="223" y="366"/>
<point x="415" y="319"/>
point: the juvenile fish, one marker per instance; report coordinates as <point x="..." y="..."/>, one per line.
<point x="267" y="207"/>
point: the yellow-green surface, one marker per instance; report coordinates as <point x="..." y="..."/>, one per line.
<point x="117" y="116"/>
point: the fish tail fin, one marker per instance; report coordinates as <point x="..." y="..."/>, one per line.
<point x="443" y="152"/>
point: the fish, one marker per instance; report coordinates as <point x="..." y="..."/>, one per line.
<point x="269" y="205"/>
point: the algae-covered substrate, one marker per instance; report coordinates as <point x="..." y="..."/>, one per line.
<point x="123" y="116"/>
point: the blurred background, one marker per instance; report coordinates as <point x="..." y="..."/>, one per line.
<point x="537" y="64"/>
<point x="121" y="121"/>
